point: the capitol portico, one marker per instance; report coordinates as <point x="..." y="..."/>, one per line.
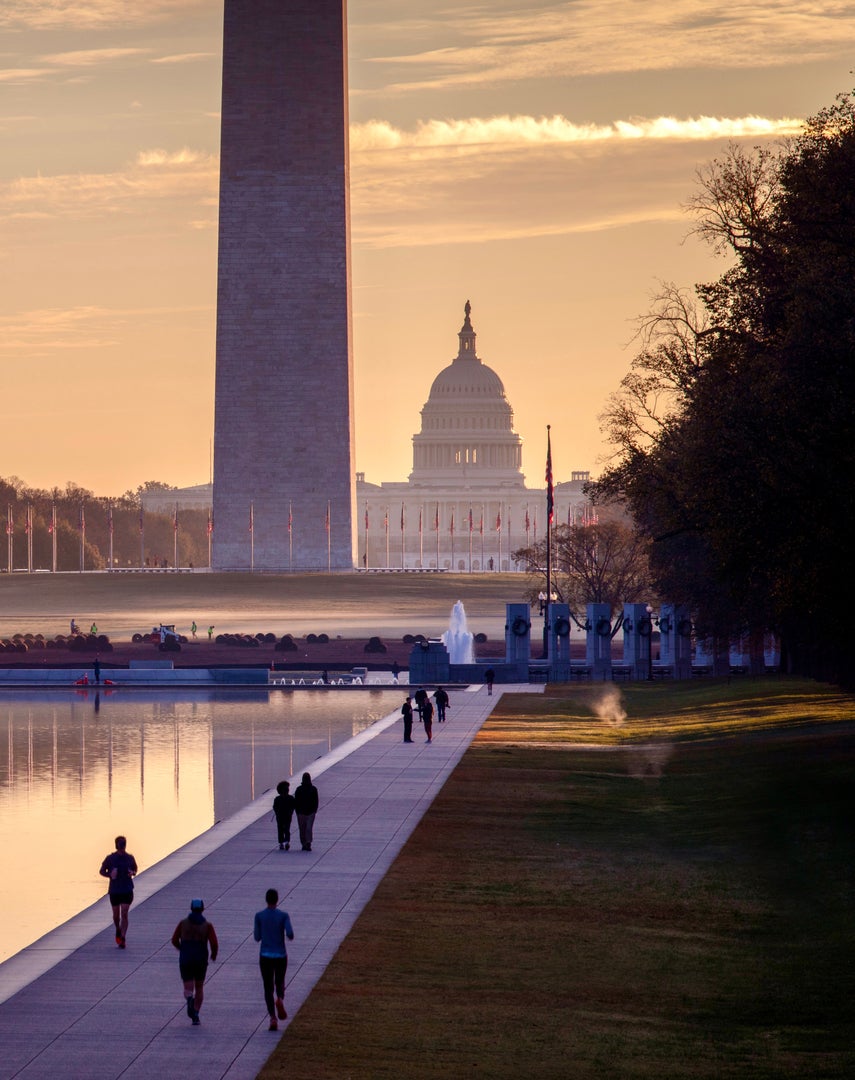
<point x="465" y="506"/>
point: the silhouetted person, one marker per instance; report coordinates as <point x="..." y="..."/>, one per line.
<point x="283" y="808"/>
<point x="271" y="927"/>
<point x="120" y="868"/>
<point x="192" y="938"/>
<point x="306" y="805"/>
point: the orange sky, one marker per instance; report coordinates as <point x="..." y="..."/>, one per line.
<point x="531" y="158"/>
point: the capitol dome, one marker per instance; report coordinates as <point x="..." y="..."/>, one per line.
<point x="467" y="434"/>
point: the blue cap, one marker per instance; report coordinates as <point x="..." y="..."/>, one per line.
<point x="197" y="905"/>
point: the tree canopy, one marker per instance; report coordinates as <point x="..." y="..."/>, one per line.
<point x="733" y="430"/>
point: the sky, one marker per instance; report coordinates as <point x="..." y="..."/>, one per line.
<point x="532" y="158"/>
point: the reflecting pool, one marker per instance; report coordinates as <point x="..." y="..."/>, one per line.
<point x="159" y="766"/>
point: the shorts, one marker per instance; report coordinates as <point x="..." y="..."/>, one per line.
<point x="193" y="971"/>
<point x="117" y="898"/>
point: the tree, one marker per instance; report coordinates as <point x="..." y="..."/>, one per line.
<point x="604" y="563"/>
<point x="734" y="429"/>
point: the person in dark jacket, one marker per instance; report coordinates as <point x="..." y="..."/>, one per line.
<point x="441" y="699"/>
<point x="407" y="713"/>
<point x="192" y="938"/>
<point x="427" y="719"/>
<point x="306" y="805"/>
<point x="120" y="867"/>
<point x="283" y="808"/>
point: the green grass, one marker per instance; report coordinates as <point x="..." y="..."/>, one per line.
<point x="677" y="906"/>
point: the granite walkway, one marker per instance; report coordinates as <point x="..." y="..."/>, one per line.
<point x="74" y="1006"/>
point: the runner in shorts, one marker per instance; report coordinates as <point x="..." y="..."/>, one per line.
<point x="192" y="938"/>
<point x="120" y="868"/>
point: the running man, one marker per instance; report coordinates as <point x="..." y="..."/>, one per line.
<point x="192" y="938"/>
<point x="120" y="868"/>
<point x="271" y="927"/>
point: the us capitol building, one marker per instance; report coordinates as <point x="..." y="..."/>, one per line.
<point x="465" y="506"/>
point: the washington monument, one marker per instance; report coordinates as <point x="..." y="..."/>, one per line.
<point x="283" y="424"/>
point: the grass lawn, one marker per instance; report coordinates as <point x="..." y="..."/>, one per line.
<point x="664" y="895"/>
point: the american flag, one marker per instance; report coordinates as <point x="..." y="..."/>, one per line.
<point x="550" y="499"/>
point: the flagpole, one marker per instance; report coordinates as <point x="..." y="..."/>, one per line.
<point x="470" y="539"/>
<point x="421" y="540"/>
<point x="10" y="536"/>
<point x="481" y="529"/>
<point x="251" y="537"/>
<point x="365" y="549"/>
<point x="436" y="530"/>
<point x="53" y="536"/>
<point x="386" y="526"/>
<point x="175" y="539"/>
<point x="290" y="538"/>
<point x="110" y="525"/>
<point x="142" y="535"/>
<point x="82" y="524"/>
<point x="329" y="539"/>
<point x="550" y="511"/>
<point x="29" y="538"/>
<point x="402" y="536"/>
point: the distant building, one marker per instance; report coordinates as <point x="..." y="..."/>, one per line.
<point x="164" y="500"/>
<point x="465" y="506"/>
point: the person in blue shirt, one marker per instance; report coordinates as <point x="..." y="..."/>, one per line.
<point x="271" y="928"/>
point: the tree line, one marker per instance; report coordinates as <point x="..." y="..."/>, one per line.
<point x="86" y="524"/>
<point x="733" y="430"/>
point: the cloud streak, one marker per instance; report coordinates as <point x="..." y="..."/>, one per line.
<point x="92" y="14"/>
<point x="596" y="37"/>
<point x="521" y="131"/>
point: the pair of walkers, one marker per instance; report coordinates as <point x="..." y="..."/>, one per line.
<point x="425" y="711"/>
<point x="304" y="802"/>
<point x="196" y="939"/>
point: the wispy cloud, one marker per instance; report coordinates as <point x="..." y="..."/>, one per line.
<point x="23" y="75"/>
<point x="182" y="176"/>
<point x="91" y="57"/>
<point x="594" y="37"/>
<point x="183" y="58"/>
<point x="523" y="131"/>
<point x="92" y="14"/>
<point x="45" y="331"/>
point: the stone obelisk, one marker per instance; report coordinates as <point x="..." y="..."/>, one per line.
<point x="283" y="425"/>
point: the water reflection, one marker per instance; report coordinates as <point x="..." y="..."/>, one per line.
<point x="160" y="767"/>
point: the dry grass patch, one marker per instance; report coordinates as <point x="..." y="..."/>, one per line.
<point x="569" y="915"/>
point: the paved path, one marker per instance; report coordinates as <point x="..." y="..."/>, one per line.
<point x="74" y="1006"/>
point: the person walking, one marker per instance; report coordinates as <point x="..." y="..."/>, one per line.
<point x="306" y="805"/>
<point x="407" y="713"/>
<point x="210" y="632"/>
<point x="396" y="671"/>
<point x="193" y="629"/>
<point x="283" y="808"/>
<point x="421" y="697"/>
<point x="489" y="676"/>
<point x="441" y="698"/>
<point x="96" y="668"/>
<point x="193" y="937"/>
<point x="120" y="867"/>
<point x="271" y="927"/>
<point x="427" y="719"/>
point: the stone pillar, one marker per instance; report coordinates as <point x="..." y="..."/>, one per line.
<point x="598" y="641"/>
<point x="283" y="417"/>
<point x="517" y="634"/>
<point x="675" y="640"/>
<point x="560" y="626"/>
<point x="637" y="644"/>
